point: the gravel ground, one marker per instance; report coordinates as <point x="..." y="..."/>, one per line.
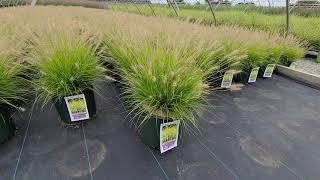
<point x="307" y="65"/>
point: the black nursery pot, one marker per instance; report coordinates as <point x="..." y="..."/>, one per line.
<point x="150" y="132"/>
<point x="261" y="72"/>
<point x="118" y="79"/>
<point x="7" y="127"/>
<point x="216" y="83"/>
<point x="62" y="107"/>
<point x="241" y="77"/>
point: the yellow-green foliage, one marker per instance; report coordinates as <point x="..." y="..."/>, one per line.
<point x="67" y="66"/>
<point x="227" y="77"/>
<point x="77" y="105"/>
<point x="169" y="133"/>
<point x="12" y="87"/>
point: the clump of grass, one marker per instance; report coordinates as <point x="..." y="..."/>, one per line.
<point x="217" y="58"/>
<point x="224" y="46"/>
<point x="290" y="54"/>
<point x="160" y="79"/>
<point x="66" y="66"/>
<point x="12" y="86"/>
<point x="318" y="59"/>
<point x="256" y="56"/>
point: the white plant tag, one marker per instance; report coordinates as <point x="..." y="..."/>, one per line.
<point x="169" y="133"/>
<point x="269" y="70"/>
<point x="253" y="75"/>
<point x="227" y="80"/>
<point x="77" y="107"/>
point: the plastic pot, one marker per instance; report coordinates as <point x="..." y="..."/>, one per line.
<point x="7" y="127"/>
<point x="62" y="107"/>
<point x="241" y="77"/>
<point x="150" y="132"/>
<point x="113" y="73"/>
<point x="261" y="72"/>
<point x="216" y="80"/>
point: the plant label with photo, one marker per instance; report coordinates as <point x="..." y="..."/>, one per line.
<point x="169" y="133"/>
<point x="77" y="107"/>
<point x="253" y="75"/>
<point x="269" y="70"/>
<point x="227" y="80"/>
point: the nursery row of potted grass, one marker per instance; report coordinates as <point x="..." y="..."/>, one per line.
<point x="164" y="73"/>
<point x="305" y="28"/>
<point x="162" y="81"/>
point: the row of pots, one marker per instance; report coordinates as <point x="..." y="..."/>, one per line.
<point x="149" y="132"/>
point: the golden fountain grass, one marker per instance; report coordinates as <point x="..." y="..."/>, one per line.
<point x="166" y="63"/>
<point x="25" y="22"/>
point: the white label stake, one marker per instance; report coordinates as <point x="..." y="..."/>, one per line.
<point x="253" y="75"/>
<point x="77" y="107"/>
<point x="269" y="70"/>
<point x="227" y="80"/>
<point x="169" y="133"/>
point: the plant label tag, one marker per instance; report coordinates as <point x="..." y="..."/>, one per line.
<point x="269" y="70"/>
<point x="227" y="80"/>
<point x="169" y="133"/>
<point x="253" y="75"/>
<point x="77" y="107"/>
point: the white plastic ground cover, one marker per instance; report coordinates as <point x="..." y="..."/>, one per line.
<point x="77" y="107"/>
<point x="169" y="133"/>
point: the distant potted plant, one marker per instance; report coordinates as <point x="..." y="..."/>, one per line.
<point x="219" y="58"/>
<point x="67" y="70"/>
<point x="272" y="57"/>
<point x="255" y="56"/>
<point x="290" y="54"/>
<point x="11" y="94"/>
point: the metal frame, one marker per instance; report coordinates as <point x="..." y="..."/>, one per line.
<point x="287" y="18"/>
<point x="170" y="4"/>
<point x="33" y="2"/>
<point x="212" y="11"/>
<point x="149" y="4"/>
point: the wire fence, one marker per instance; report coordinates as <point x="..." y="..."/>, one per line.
<point x="300" y="18"/>
<point x="301" y="7"/>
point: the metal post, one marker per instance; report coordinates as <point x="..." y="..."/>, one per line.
<point x="287" y="18"/>
<point x="136" y="7"/>
<point x="175" y="3"/>
<point x="33" y="2"/>
<point x="154" y="13"/>
<point x="173" y="7"/>
<point x="168" y="3"/>
<point x="212" y="11"/>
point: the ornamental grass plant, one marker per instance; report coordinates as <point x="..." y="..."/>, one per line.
<point x="66" y="65"/>
<point x="12" y="94"/>
<point x="12" y="86"/>
<point x="64" y="47"/>
<point x="161" y="79"/>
